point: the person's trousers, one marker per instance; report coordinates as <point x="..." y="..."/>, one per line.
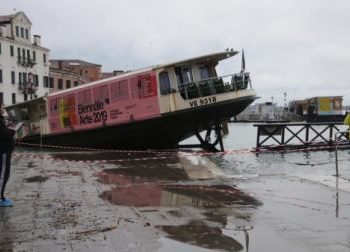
<point x="5" y="165"/>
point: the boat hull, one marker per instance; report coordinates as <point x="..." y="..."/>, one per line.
<point x="162" y="132"/>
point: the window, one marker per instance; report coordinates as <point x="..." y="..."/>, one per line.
<point x="164" y="83"/>
<point x="27" y="34"/>
<point x="28" y="55"/>
<point x="204" y="72"/>
<point x="24" y="54"/>
<point x="67" y="84"/>
<point x="11" y="50"/>
<point x="17" y="31"/>
<point x="60" y="84"/>
<point x="0" y="75"/>
<point x="51" y="82"/>
<point x="18" y="52"/>
<point x="0" y="48"/>
<point x="20" y="79"/>
<point x="13" y="98"/>
<point x="22" y="32"/>
<point x="46" y="81"/>
<point x="34" y="56"/>
<point x="44" y="57"/>
<point x="1" y="98"/>
<point x="75" y="83"/>
<point x="13" y="77"/>
<point x="24" y="75"/>
<point x="36" y="80"/>
<point x="25" y="96"/>
<point x="183" y="74"/>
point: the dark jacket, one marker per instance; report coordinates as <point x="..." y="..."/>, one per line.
<point x="7" y="142"/>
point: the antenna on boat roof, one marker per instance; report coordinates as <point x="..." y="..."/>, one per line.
<point x="243" y="62"/>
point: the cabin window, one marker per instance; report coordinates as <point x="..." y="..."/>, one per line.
<point x="164" y="83"/>
<point x="141" y="87"/>
<point x="119" y="91"/>
<point x="204" y="72"/>
<point x="188" y="90"/>
<point x="101" y="94"/>
<point x="183" y="74"/>
<point x="85" y="97"/>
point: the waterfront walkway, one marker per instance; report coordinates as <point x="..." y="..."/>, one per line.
<point x="90" y="202"/>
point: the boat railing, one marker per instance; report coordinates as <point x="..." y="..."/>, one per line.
<point x="216" y="85"/>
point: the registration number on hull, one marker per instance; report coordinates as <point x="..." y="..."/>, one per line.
<point x="202" y="101"/>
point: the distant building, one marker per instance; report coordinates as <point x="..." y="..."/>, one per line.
<point x="86" y="70"/>
<point x="62" y="79"/>
<point x="24" y="63"/>
<point x="320" y="108"/>
<point x="259" y="112"/>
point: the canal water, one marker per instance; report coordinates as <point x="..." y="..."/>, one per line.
<point x="240" y="201"/>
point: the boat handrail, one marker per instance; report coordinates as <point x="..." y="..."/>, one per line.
<point x="215" y="85"/>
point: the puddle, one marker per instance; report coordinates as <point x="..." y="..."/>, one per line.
<point x="142" y="192"/>
<point x="198" y="234"/>
<point x="36" y="179"/>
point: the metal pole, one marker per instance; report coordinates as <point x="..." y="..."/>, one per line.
<point x="336" y="150"/>
<point x="336" y="154"/>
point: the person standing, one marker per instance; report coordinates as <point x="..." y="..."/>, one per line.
<point x="7" y="145"/>
<point x="347" y="122"/>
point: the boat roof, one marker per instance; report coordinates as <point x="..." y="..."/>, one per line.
<point x="213" y="57"/>
<point x="205" y="58"/>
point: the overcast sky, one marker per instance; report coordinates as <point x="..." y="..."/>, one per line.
<point x="298" y="47"/>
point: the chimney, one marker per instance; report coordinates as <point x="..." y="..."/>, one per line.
<point x="37" y="40"/>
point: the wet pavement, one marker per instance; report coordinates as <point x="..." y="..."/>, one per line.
<point x="175" y="202"/>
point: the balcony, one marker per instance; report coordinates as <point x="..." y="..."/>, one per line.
<point x="27" y="88"/>
<point x="26" y="62"/>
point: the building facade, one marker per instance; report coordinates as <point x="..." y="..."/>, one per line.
<point x="24" y="63"/>
<point x="86" y="70"/>
<point x="61" y="79"/>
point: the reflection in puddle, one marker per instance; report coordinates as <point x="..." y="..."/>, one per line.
<point x="215" y="205"/>
<point x="199" y="234"/>
<point x="141" y="192"/>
